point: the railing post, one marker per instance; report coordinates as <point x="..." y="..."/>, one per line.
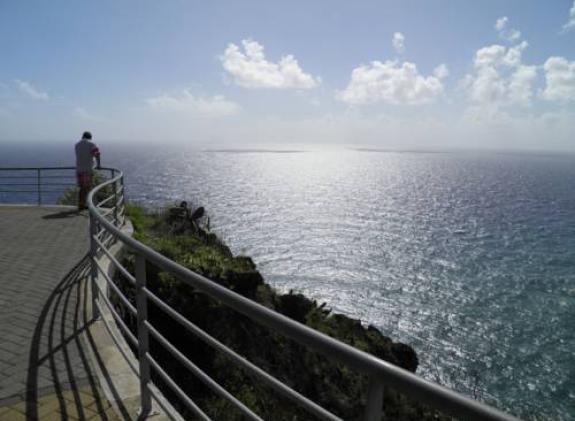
<point x="93" y="267"/>
<point x="374" y="407"/>
<point x="38" y="183"/>
<point x="122" y="199"/>
<point x="143" y="341"/>
<point x="115" y="186"/>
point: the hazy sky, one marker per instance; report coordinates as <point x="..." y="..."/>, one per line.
<point x="389" y="74"/>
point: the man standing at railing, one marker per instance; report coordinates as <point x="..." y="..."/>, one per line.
<point x="86" y="151"/>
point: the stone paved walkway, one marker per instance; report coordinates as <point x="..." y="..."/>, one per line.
<point x="45" y="373"/>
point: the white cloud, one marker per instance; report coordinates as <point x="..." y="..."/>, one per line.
<point x="441" y="71"/>
<point x="571" y="23"/>
<point x="559" y="79"/>
<point x="508" y="34"/>
<point x="487" y="86"/>
<point x="500" y="77"/>
<point x="392" y="83"/>
<point x="499" y="55"/>
<point x="501" y="23"/>
<point x="398" y="42"/>
<point x="250" y="69"/>
<point x="186" y="102"/>
<point x="31" y="91"/>
<point x="520" y="87"/>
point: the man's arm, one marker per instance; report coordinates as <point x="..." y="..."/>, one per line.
<point x="96" y="154"/>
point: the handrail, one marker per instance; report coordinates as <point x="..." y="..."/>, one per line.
<point x="37" y="168"/>
<point x="35" y="185"/>
<point x="380" y="372"/>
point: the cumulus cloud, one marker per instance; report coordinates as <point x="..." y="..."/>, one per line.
<point x="250" y="69"/>
<point x="506" y="33"/>
<point x="393" y="83"/>
<point x="398" y="42"/>
<point x="520" y="87"/>
<point x="186" y="102"/>
<point x="559" y="79"/>
<point x="499" y="55"/>
<point x="500" y="77"/>
<point x="29" y="90"/>
<point x="441" y="71"/>
<point x="571" y="23"/>
<point x="501" y="23"/>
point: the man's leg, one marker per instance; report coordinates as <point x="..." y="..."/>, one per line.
<point x="82" y="194"/>
<point x="84" y="185"/>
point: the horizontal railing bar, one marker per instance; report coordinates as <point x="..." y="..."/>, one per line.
<point x="104" y="235"/>
<point x="55" y="176"/>
<point x="23" y="177"/>
<point x="110" y="217"/>
<point x="106" y="200"/>
<point x="251" y="368"/>
<point x="189" y="403"/>
<point x="198" y="372"/>
<point x="102" y="231"/>
<point x="35" y="168"/>
<point x="117" y="317"/>
<point x="107" y="240"/>
<point x="118" y="265"/>
<point x="119" y="293"/>
<point x="36" y="184"/>
<point x="52" y="191"/>
<point x="32" y="191"/>
<point x="34" y="177"/>
<point x="20" y="191"/>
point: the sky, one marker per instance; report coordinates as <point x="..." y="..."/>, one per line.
<point x="411" y="74"/>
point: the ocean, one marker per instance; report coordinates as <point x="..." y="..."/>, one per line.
<point x="468" y="257"/>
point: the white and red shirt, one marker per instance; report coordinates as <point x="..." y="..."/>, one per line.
<point x="85" y="153"/>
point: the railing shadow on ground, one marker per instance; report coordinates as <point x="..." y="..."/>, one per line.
<point x="64" y="318"/>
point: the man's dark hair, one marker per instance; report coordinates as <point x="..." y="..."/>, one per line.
<point x="87" y="135"/>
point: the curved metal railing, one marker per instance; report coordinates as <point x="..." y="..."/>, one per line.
<point x="105" y="223"/>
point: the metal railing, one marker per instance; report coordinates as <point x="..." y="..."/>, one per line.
<point x="36" y="182"/>
<point x="381" y="373"/>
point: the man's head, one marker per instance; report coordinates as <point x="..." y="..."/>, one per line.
<point x="87" y="135"/>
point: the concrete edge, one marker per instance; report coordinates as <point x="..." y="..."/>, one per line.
<point x="113" y="359"/>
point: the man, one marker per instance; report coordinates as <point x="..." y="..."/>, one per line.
<point x="86" y="151"/>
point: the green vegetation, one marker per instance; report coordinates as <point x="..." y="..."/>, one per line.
<point x="70" y="196"/>
<point x="333" y="386"/>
